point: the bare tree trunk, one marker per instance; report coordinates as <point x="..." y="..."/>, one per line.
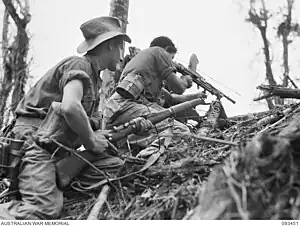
<point x="7" y="79"/>
<point x="260" y="20"/>
<point x="14" y="54"/>
<point x="268" y="61"/>
<point x="21" y="70"/>
<point x="284" y="30"/>
<point x="268" y="64"/>
<point x="119" y="9"/>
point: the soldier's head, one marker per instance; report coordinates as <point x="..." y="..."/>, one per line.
<point x="165" y="43"/>
<point x="103" y="38"/>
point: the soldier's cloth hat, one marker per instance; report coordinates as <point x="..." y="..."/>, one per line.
<point x="98" y="30"/>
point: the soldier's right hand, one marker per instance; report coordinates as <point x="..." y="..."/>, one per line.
<point x="100" y="141"/>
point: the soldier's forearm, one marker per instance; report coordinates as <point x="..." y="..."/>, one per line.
<point x="183" y="98"/>
<point x="79" y="123"/>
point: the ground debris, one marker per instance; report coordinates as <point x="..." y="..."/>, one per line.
<point x="205" y="180"/>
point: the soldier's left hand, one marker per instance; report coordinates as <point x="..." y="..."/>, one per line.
<point x="188" y="81"/>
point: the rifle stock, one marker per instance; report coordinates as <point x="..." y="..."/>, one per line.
<point x="70" y="166"/>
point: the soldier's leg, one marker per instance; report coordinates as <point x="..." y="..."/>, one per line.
<point x="107" y="164"/>
<point x="40" y="197"/>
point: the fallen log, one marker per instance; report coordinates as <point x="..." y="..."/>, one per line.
<point x="282" y="92"/>
<point x="259" y="115"/>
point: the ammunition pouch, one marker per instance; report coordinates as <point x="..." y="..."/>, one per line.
<point x="131" y="86"/>
<point x="10" y="155"/>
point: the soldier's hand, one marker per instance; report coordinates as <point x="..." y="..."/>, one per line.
<point x="201" y="95"/>
<point x="100" y="140"/>
<point x="188" y="81"/>
<point x="143" y="125"/>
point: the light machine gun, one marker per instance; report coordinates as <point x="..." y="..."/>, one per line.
<point x="200" y="81"/>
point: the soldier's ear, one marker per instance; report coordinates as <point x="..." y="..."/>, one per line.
<point x="110" y="46"/>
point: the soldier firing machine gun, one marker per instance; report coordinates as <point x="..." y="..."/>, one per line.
<point x="191" y="71"/>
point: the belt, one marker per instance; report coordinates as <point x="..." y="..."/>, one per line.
<point x="53" y="148"/>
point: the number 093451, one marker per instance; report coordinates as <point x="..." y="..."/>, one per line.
<point x="288" y="223"/>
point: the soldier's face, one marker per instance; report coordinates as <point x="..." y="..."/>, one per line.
<point x="116" y="54"/>
<point x="171" y="55"/>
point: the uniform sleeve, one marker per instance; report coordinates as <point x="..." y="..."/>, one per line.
<point x="75" y="69"/>
<point x="165" y="65"/>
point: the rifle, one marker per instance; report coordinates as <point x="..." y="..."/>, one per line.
<point x="200" y="81"/>
<point x="70" y="166"/>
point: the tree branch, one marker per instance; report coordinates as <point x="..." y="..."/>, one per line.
<point x="20" y="23"/>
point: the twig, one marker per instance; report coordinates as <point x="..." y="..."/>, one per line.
<point x="132" y="201"/>
<point x="99" y="203"/>
<point x="214" y="140"/>
<point x="175" y="208"/>
<point x="122" y="193"/>
<point x="110" y="210"/>
<point x="151" y="210"/>
<point x="293" y="83"/>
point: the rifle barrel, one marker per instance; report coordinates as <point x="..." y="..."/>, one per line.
<point x="157" y="117"/>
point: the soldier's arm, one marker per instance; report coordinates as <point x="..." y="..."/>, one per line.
<point x="173" y="98"/>
<point x="186" y="97"/>
<point x="176" y="84"/>
<point x="75" y="114"/>
<point x="168" y="72"/>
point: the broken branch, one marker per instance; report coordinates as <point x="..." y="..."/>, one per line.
<point x="281" y="92"/>
<point x="263" y="97"/>
<point x="20" y="23"/>
<point x="214" y="140"/>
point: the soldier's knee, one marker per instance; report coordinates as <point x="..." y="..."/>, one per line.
<point x="54" y="207"/>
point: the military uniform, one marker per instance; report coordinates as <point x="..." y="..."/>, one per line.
<point x="40" y="196"/>
<point x="137" y="94"/>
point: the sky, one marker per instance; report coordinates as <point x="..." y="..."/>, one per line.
<point x="227" y="47"/>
